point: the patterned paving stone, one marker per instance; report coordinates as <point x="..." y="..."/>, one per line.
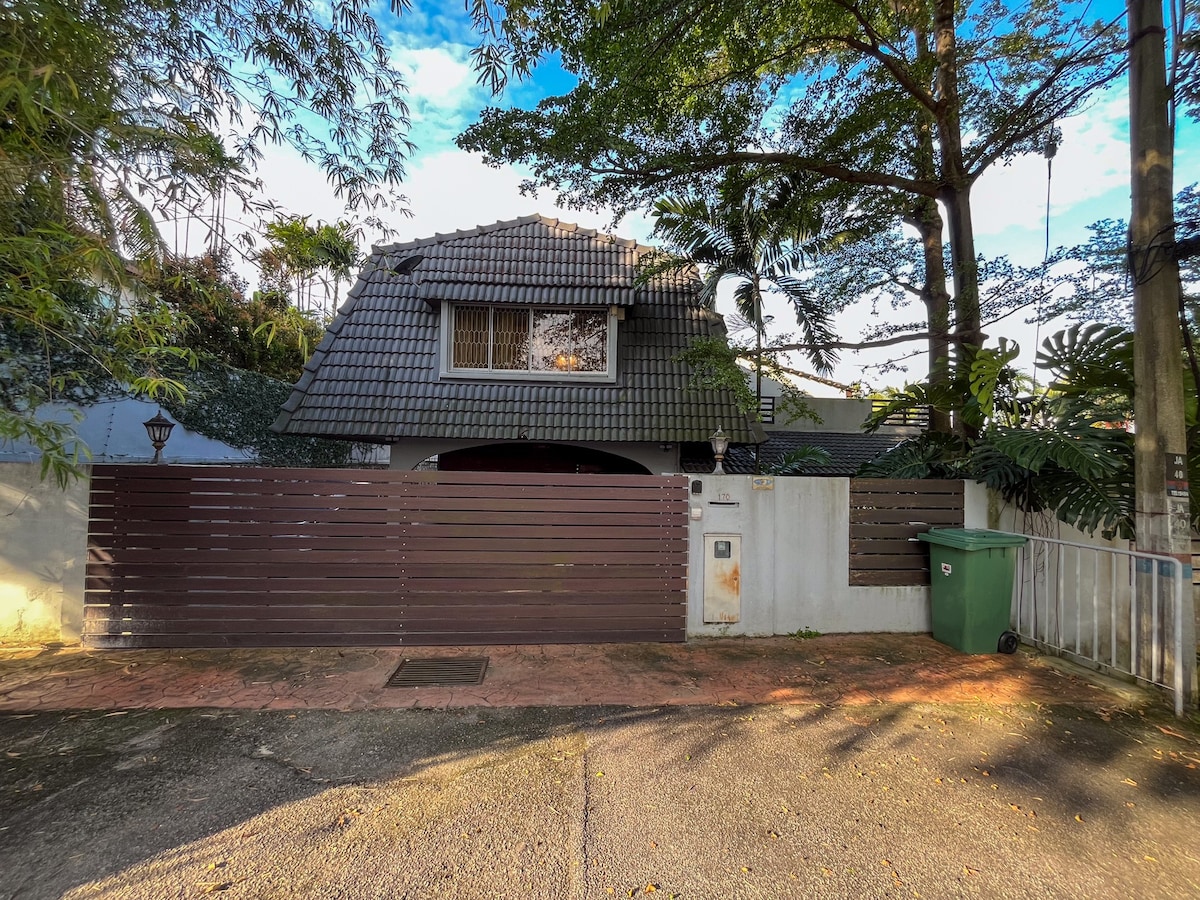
<point x="834" y="669"/>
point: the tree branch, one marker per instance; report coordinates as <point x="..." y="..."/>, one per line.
<point x="893" y="64"/>
<point x="786" y="160"/>
<point x="863" y="345"/>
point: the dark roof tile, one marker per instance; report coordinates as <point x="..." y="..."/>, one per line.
<point x="848" y="451"/>
<point x="375" y="372"/>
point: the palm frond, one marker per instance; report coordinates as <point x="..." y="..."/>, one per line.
<point x="800" y="459"/>
<point x="746" y="300"/>
<point x="925" y="456"/>
<point x="692" y="226"/>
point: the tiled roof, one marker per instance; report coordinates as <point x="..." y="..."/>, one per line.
<point x="848" y="452"/>
<point x="374" y="376"/>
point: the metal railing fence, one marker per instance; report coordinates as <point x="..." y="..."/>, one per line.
<point x="1087" y="603"/>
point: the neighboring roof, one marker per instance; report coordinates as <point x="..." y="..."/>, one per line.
<point x="112" y="432"/>
<point x="374" y="376"/>
<point x="848" y="451"/>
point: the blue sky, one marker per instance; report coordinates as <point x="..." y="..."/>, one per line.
<point x="447" y="189"/>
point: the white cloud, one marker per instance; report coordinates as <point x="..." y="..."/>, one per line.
<point x="446" y="191"/>
<point x="439" y="79"/>
<point x="452" y="190"/>
<point x="1092" y="160"/>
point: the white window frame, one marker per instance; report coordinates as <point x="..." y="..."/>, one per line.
<point x="447" y="370"/>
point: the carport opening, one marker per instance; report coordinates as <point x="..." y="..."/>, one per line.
<point x="536" y="457"/>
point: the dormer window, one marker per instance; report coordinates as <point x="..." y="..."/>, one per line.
<point x="528" y="342"/>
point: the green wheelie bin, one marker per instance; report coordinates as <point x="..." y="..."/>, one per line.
<point x="971" y="581"/>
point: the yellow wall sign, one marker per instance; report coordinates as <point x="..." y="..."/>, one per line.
<point x="763" y="483"/>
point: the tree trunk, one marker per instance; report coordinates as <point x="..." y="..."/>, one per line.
<point x="968" y="327"/>
<point x="928" y="221"/>
<point x="955" y="194"/>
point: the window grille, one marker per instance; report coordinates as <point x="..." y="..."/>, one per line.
<point x="766" y="410"/>
<point x="530" y="340"/>
<point x="471" y="337"/>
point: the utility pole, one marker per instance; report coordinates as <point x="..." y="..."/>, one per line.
<point x="1161" y="515"/>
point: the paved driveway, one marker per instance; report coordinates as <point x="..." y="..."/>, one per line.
<point x="885" y="800"/>
<point x="1007" y="778"/>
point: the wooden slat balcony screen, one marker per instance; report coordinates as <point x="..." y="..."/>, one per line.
<point x="183" y="556"/>
<point x="886" y="515"/>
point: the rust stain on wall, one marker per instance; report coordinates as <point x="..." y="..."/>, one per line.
<point x="730" y="580"/>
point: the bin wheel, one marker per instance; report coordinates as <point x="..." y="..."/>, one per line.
<point x="1009" y="641"/>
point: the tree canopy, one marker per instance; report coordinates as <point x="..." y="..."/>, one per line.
<point x="112" y="112"/>
<point x="909" y="101"/>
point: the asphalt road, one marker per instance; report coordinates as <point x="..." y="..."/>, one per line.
<point x="729" y="802"/>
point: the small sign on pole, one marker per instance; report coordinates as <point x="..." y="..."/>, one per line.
<point x="1178" y="514"/>
<point x="1177" y="476"/>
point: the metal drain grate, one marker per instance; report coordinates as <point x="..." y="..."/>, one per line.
<point x="435" y="671"/>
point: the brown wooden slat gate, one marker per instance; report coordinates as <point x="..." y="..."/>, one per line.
<point x="886" y="515"/>
<point x="190" y="556"/>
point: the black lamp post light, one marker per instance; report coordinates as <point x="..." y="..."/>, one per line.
<point x="720" y="444"/>
<point x="159" y="430"/>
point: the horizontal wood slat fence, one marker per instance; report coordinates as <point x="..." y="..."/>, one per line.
<point x="198" y="556"/>
<point x="886" y="515"/>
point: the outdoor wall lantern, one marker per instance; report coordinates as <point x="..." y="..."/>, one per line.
<point x="720" y="443"/>
<point x="159" y="430"/>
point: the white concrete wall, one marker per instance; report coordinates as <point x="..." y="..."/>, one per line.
<point x="1006" y="517"/>
<point x="793" y="575"/>
<point x="837" y="414"/>
<point x="796" y="558"/>
<point x="43" y="547"/>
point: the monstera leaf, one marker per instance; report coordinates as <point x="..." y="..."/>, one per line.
<point x="1103" y="504"/>
<point x="1080" y="447"/>
<point x="1089" y="359"/>
<point x="988" y="369"/>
